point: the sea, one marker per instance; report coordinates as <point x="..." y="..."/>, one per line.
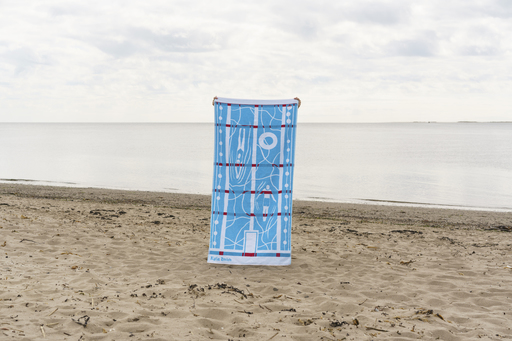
<point x="447" y="165"/>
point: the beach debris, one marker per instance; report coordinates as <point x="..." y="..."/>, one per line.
<point x="200" y="291"/>
<point x="502" y="228"/>
<point x="264" y="307"/>
<point x="336" y="324"/>
<point x="273" y="336"/>
<point x="82" y="320"/>
<point x="425" y="312"/>
<point x="407" y="231"/>
<point x="228" y="288"/>
<point x="42" y="331"/>
<point x="292" y="298"/>
<point x="355" y="322"/>
<point x="484" y="245"/>
<point x="377" y="329"/>
<point x="448" y="239"/>
<point x="27" y="240"/>
<point x="70" y="253"/>
<point x="53" y="312"/>
<point x="406" y="263"/>
<point x="291" y="309"/>
<point x="196" y="290"/>
<point x="362" y="234"/>
<point x="306" y="322"/>
<point x="4" y="244"/>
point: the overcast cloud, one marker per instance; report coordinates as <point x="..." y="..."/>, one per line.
<point x="163" y="61"/>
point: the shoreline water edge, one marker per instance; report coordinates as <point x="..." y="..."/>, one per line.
<point x="356" y="201"/>
<point x="88" y="263"/>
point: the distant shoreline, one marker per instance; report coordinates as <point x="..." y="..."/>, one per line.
<point x="355" y="201"/>
<point x="315" y="208"/>
<point x="360" y="201"/>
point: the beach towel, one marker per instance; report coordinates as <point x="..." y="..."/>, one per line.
<point x="254" y="160"/>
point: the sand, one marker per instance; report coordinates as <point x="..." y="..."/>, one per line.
<point x="94" y="264"/>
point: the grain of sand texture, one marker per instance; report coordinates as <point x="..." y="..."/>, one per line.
<point x="93" y="264"/>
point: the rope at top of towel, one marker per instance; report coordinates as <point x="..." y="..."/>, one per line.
<point x="297" y="98"/>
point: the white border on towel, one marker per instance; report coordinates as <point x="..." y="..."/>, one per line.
<point x="256" y="101"/>
<point x="239" y="260"/>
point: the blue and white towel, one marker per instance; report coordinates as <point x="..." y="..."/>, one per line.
<point x="253" y="181"/>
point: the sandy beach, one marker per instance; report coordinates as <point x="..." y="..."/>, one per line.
<point x="95" y="264"/>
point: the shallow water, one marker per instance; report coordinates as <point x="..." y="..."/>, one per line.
<point x="442" y="164"/>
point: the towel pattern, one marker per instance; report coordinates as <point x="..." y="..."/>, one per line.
<point x="253" y="182"/>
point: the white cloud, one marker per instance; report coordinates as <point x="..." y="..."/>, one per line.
<point x="164" y="60"/>
<point x="423" y="45"/>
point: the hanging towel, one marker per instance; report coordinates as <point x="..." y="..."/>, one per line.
<point x="254" y="161"/>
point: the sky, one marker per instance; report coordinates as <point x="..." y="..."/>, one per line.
<point x="164" y="61"/>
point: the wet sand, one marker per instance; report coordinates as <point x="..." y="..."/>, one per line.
<point x="95" y="264"/>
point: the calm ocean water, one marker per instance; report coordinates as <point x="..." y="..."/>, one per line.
<point x="444" y="164"/>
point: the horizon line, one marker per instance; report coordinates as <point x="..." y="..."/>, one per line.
<point x="204" y="122"/>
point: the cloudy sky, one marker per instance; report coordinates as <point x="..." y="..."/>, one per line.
<point x="163" y="61"/>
